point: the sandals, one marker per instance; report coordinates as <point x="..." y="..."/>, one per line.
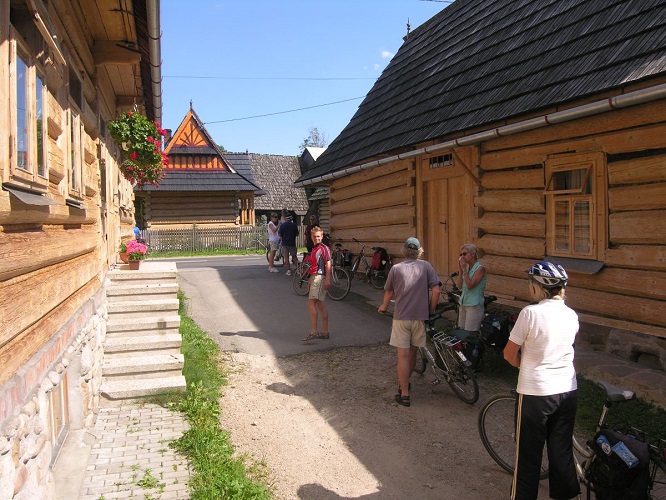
<point x="311" y="336"/>
<point x="323" y="335"/>
<point x="402" y="400"/>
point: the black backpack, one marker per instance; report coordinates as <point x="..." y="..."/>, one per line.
<point x="495" y="330"/>
<point x="610" y="477"/>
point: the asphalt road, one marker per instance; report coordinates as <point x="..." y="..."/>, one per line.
<point x="245" y="308"/>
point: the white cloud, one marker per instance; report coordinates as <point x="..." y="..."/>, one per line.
<point x="377" y="66"/>
<point x="386" y="54"/>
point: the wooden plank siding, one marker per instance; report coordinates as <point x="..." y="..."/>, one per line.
<point x="511" y="218"/>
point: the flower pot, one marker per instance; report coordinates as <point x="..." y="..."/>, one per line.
<point x="124" y="256"/>
<point x="134" y="265"/>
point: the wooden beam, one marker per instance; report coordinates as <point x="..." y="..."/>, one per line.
<point x="110" y="52"/>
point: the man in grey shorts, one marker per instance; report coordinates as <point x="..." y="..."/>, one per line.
<point x="408" y="283"/>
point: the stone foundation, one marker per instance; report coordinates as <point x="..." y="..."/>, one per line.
<point x="57" y="387"/>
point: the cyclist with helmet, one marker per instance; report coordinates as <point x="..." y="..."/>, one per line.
<point x="541" y="345"/>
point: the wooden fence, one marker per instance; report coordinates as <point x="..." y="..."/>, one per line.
<point x="195" y="239"/>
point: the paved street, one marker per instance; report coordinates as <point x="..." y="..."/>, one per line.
<point x="245" y="308"/>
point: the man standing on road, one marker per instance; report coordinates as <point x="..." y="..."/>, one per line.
<point x="288" y="232"/>
<point x="320" y="280"/>
<point x="409" y="282"/>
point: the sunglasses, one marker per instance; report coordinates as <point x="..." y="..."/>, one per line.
<point x="463" y="254"/>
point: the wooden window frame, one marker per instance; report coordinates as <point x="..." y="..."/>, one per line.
<point x="32" y="175"/>
<point x="594" y="164"/>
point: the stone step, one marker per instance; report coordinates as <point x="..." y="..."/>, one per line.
<point x="126" y="365"/>
<point x="130" y="334"/>
<point x="154" y="322"/>
<point x="143" y="305"/>
<point x="138" y="387"/>
<point x="143" y="342"/>
<point x="118" y="290"/>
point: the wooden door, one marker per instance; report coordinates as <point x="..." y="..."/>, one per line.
<point x="444" y="214"/>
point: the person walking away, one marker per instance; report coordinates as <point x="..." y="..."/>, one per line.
<point x="309" y="244"/>
<point x="320" y="280"/>
<point x="541" y="346"/>
<point x="472" y="281"/>
<point x="288" y="231"/>
<point x="409" y="283"/>
<point x="273" y="242"/>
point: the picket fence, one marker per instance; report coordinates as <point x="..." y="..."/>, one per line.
<point x="196" y="239"/>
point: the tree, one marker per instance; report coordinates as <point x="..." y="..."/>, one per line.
<point x="315" y="139"/>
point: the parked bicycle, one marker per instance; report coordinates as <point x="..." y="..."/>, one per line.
<point x="338" y="288"/>
<point x="257" y="246"/>
<point x="494" y="330"/>
<point x="339" y="255"/>
<point x="376" y="277"/>
<point x="444" y="353"/>
<point x="497" y="428"/>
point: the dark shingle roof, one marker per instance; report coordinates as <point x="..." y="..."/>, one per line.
<point x="276" y="175"/>
<point x="482" y="61"/>
<point x="199" y="180"/>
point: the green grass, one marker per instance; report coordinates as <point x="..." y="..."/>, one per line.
<point x="216" y="472"/>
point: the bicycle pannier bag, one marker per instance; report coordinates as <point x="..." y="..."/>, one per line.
<point x="326" y="239"/>
<point x="472" y="348"/>
<point x="495" y="330"/>
<point x="620" y="468"/>
<point x="379" y="259"/>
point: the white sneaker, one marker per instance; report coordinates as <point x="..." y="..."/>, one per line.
<point x="274" y="270"/>
<point x="288" y="273"/>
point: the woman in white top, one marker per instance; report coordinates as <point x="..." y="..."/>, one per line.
<point x="541" y="345"/>
<point x="273" y="241"/>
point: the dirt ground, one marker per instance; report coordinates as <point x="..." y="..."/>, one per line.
<point x="326" y="425"/>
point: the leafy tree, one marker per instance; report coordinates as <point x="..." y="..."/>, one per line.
<point x="221" y="148"/>
<point x="315" y="139"/>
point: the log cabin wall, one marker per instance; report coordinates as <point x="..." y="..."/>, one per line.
<point x="376" y="207"/>
<point x="623" y="306"/>
<point x="181" y="209"/>
<point x="64" y="208"/>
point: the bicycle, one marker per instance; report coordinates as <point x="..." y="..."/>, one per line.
<point x="496" y="424"/>
<point x="489" y="336"/>
<point x="339" y="255"/>
<point x="257" y="246"/>
<point x="376" y="277"/>
<point x="338" y="288"/>
<point x="448" y="360"/>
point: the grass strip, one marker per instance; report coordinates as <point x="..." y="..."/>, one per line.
<point x="217" y="473"/>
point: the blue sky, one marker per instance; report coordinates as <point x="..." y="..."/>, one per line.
<point x="243" y="58"/>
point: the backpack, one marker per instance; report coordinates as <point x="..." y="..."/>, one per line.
<point x="379" y="259"/>
<point x="610" y="477"/>
<point x="495" y="330"/>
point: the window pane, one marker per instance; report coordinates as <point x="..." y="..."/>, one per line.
<point x="21" y="111"/>
<point x="39" y="89"/>
<point x="571" y="179"/>
<point x="582" y="227"/>
<point x="562" y="227"/>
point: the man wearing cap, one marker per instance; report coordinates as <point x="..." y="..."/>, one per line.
<point x="409" y="283"/>
<point x="288" y="232"/>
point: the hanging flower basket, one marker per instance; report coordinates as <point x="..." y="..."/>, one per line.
<point x="140" y="140"/>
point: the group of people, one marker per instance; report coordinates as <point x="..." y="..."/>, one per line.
<point x="541" y="345"/>
<point x="284" y="230"/>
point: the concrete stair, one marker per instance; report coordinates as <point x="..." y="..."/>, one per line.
<point x="142" y="347"/>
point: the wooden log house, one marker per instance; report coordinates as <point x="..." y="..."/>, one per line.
<point x="536" y="130"/>
<point x="66" y="69"/>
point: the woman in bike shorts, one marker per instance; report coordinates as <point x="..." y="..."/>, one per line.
<point x="541" y="345"/>
<point x="472" y="281"/>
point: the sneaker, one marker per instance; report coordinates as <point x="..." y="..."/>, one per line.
<point x="288" y="273"/>
<point x="274" y="270"/>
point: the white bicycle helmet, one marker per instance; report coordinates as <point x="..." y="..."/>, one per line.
<point x="549" y="275"/>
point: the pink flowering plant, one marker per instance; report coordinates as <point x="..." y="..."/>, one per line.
<point x="136" y="250"/>
<point x="140" y="139"/>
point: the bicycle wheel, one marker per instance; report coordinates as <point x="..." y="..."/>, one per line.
<point x="378" y="279"/>
<point x="340" y="284"/>
<point x="278" y="259"/>
<point x="497" y="428"/>
<point x="301" y="278"/>
<point x="460" y="377"/>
